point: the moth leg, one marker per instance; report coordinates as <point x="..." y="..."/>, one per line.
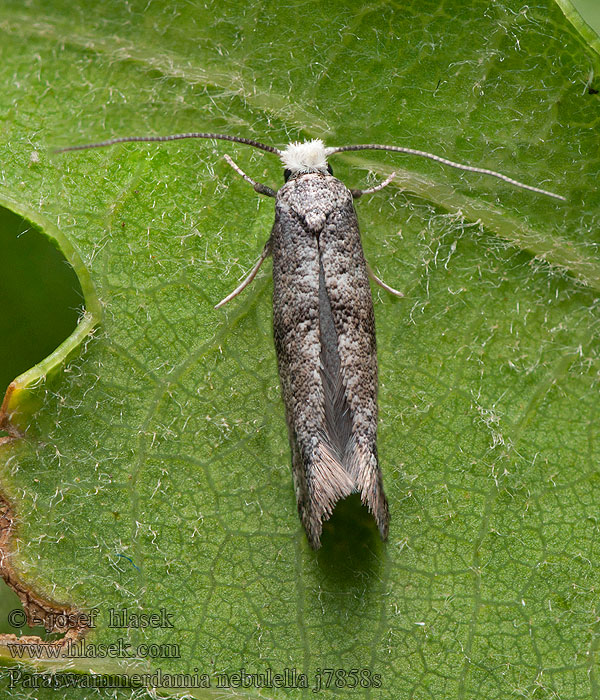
<point x="359" y="193"/>
<point x="265" y="254"/>
<point x="258" y="186"/>
<point x="381" y="283"/>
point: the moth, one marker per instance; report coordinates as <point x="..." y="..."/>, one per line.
<point x="323" y="324"/>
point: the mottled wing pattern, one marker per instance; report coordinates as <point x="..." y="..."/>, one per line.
<point x="349" y="293"/>
<point x="325" y="342"/>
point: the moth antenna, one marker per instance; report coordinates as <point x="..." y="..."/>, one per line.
<point x="444" y="161"/>
<point x="172" y="137"/>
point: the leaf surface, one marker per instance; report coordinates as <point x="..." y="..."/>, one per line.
<point x="155" y="469"/>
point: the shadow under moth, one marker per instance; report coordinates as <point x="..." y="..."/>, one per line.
<point x="323" y="323"/>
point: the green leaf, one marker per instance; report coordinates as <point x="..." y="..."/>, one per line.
<point x="585" y="17"/>
<point x="155" y="474"/>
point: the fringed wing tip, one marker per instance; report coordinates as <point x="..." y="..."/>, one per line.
<point x="331" y="483"/>
<point x="327" y="484"/>
<point x="369" y="483"/>
<point x="313" y="524"/>
<point x="378" y="507"/>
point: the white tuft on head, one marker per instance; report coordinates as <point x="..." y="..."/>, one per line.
<point x="307" y="157"/>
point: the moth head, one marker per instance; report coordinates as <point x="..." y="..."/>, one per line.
<point x="306" y="157"/>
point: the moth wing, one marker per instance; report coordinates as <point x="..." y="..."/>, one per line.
<point x="319" y="474"/>
<point x="349" y="298"/>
